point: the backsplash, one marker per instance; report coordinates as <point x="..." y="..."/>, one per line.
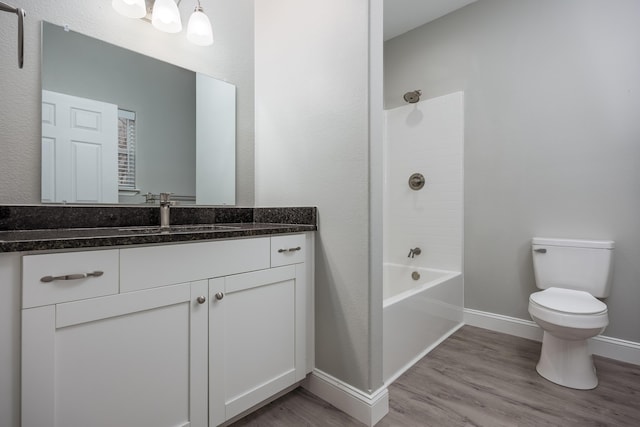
<point x="33" y="217"/>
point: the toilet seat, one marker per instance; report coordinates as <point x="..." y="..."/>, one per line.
<point x="568" y="301"/>
<point x="568" y="308"/>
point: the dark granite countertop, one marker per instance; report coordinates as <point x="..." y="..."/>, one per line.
<point x="30" y="228"/>
<point x="70" y="238"/>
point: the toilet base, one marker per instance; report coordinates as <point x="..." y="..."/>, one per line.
<point x="567" y="363"/>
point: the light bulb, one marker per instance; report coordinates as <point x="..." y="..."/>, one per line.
<point x="199" y="28"/>
<point x="130" y="8"/>
<point x="166" y="16"/>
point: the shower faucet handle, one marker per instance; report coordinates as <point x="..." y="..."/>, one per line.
<point x="413" y="252"/>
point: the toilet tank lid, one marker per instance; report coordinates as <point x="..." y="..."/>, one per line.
<point x="574" y="243"/>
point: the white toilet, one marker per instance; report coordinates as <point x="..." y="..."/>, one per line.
<point x="573" y="273"/>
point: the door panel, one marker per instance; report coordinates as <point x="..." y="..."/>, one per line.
<point x="84" y="133"/>
<point x="116" y="372"/>
<point x="86" y="171"/>
<point x="255" y="342"/>
<point x="121" y="360"/>
<point x="258" y="323"/>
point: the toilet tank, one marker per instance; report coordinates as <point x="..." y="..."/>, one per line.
<point x="583" y="265"/>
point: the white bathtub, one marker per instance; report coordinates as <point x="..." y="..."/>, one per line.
<point x="417" y="314"/>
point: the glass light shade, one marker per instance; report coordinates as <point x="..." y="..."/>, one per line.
<point x="130" y="8"/>
<point x="199" y="29"/>
<point x="166" y="16"/>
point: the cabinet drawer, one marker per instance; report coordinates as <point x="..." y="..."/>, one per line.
<point x="54" y="267"/>
<point x="150" y="267"/>
<point x="287" y="250"/>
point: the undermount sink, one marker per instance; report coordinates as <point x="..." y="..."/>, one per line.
<point x="202" y="227"/>
<point x="188" y="228"/>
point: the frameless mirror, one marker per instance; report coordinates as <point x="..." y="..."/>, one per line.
<point x="121" y="127"/>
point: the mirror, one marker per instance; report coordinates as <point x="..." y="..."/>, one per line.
<point x="121" y="127"/>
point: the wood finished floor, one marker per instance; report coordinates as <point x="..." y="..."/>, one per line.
<point x="479" y="378"/>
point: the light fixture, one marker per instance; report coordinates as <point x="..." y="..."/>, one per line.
<point x="199" y="28"/>
<point x="130" y="8"/>
<point x="166" y="16"/>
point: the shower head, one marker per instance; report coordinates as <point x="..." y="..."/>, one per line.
<point x="412" y="97"/>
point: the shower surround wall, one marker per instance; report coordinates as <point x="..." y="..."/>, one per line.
<point x="423" y="294"/>
<point x="426" y="138"/>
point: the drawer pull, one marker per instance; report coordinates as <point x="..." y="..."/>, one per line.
<point x="47" y="279"/>
<point x="289" y="250"/>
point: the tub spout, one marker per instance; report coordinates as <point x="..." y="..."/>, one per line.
<point x="413" y="252"/>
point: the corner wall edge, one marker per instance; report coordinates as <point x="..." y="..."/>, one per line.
<point x="368" y="408"/>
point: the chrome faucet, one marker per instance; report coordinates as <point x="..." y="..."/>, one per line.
<point x="413" y="252"/>
<point x="165" y="204"/>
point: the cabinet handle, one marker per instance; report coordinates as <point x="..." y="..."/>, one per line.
<point x="201" y="299"/>
<point x="289" y="250"/>
<point x="540" y="251"/>
<point x="219" y="296"/>
<point x="77" y="276"/>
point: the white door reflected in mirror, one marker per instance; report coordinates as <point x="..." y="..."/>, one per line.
<point x="173" y="108"/>
<point x="79" y="149"/>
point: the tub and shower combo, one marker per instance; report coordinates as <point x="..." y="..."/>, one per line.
<point x="423" y="282"/>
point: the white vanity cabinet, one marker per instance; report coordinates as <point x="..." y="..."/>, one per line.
<point x="174" y="335"/>
<point x="128" y="359"/>
<point x="257" y="333"/>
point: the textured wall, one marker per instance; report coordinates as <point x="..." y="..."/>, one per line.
<point x="312" y="148"/>
<point x="551" y="136"/>
<point x="230" y="58"/>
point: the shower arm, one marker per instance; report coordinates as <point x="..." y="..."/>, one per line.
<point x="21" y="15"/>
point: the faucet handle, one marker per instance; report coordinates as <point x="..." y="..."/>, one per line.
<point x="413" y="252"/>
<point x="165" y="198"/>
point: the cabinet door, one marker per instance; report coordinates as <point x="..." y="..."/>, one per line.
<point x="134" y="359"/>
<point x="256" y="338"/>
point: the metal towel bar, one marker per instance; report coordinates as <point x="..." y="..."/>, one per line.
<point x="21" y="15"/>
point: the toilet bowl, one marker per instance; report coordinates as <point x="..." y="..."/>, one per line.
<point x="568" y="318"/>
<point x="572" y="273"/>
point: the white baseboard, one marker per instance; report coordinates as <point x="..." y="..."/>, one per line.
<point x="613" y="348"/>
<point x="366" y="408"/>
<point x="505" y="324"/>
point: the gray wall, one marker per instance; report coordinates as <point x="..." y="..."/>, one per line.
<point x="312" y="147"/>
<point x="552" y="136"/>
<point x="230" y="58"/>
